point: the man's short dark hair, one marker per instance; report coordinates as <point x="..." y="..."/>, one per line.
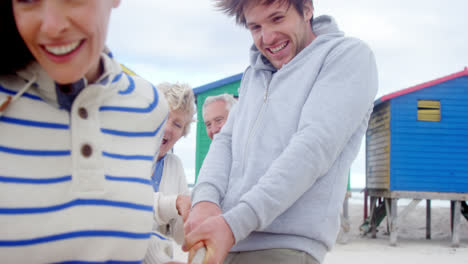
<point x="236" y="7"/>
<point x="15" y="54"/>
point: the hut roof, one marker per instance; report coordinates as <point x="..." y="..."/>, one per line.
<point x="216" y="84"/>
<point x="421" y="86"/>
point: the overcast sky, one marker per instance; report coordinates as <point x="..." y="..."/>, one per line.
<point x="414" y="41"/>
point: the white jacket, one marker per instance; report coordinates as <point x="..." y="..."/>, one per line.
<point x="168" y="223"/>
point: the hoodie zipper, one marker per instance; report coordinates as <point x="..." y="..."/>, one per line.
<point x="254" y="127"/>
<point x="265" y="97"/>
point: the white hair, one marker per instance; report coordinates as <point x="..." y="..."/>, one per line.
<point x="180" y="97"/>
<point x="227" y="98"/>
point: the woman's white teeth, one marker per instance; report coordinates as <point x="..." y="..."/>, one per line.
<point x="62" y="50"/>
<point x="274" y="50"/>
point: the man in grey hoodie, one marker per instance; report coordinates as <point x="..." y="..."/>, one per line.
<point x="273" y="183"/>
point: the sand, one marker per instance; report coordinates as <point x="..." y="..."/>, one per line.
<point x="412" y="246"/>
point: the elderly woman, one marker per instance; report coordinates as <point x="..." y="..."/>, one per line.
<point x="77" y="138"/>
<point x="171" y="198"/>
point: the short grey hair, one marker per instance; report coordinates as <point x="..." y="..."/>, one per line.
<point x="180" y="97"/>
<point x="227" y="98"/>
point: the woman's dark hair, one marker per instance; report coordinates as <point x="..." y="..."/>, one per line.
<point x="15" y="53"/>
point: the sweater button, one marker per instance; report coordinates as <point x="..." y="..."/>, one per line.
<point x="83" y="113"/>
<point x="86" y="150"/>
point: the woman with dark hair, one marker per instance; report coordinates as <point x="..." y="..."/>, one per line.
<point x="16" y="54"/>
<point x="78" y="138"/>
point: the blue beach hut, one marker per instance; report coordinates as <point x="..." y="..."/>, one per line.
<point x="417" y="148"/>
<point x="417" y="138"/>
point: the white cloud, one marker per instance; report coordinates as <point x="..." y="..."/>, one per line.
<point x="185" y="38"/>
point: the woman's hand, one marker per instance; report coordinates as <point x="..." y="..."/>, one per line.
<point x="183" y="205"/>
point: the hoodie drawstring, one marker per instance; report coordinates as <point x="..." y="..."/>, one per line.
<point x="11" y="99"/>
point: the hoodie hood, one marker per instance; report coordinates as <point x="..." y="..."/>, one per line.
<point x="321" y="26"/>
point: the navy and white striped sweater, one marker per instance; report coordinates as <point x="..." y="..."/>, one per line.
<point x="75" y="186"/>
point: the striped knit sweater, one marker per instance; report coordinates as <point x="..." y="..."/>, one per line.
<point x="75" y="186"/>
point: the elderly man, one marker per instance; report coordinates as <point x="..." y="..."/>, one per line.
<point x="215" y="112"/>
<point x="272" y="185"/>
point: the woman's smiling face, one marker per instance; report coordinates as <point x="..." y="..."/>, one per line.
<point x="65" y="37"/>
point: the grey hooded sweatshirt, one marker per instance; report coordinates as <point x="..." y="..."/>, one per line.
<point x="278" y="168"/>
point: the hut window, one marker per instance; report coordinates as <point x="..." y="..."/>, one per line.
<point x="429" y="110"/>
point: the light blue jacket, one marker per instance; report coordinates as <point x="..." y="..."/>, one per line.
<point x="278" y="168"/>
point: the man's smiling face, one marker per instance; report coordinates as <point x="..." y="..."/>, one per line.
<point x="278" y="30"/>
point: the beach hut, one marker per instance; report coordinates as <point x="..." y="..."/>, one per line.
<point x="228" y="85"/>
<point x="417" y="148"/>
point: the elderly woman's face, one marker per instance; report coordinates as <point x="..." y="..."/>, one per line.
<point x="65" y="37"/>
<point x="174" y="130"/>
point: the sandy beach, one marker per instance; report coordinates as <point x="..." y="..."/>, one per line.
<point x="412" y="246"/>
